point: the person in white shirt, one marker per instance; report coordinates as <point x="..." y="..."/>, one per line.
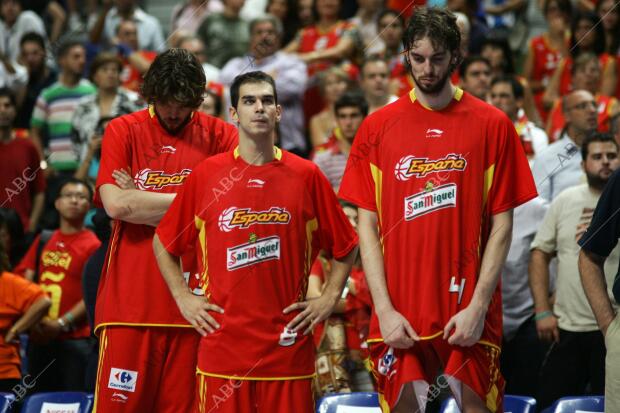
<point x="14" y="23"/>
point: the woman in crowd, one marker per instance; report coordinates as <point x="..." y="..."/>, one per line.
<point x="332" y="84"/>
<point x="286" y="11"/>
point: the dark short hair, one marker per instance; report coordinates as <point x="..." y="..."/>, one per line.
<point x="502" y="44"/>
<point x="387" y="12"/>
<point x="595" y="137"/>
<point x="175" y="75"/>
<point x="250" y="77"/>
<point x="352" y="100"/>
<point x="6" y="92"/>
<point x="66" y="46"/>
<point x="371" y="59"/>
<point x="74" y="181"/>
<point x="439" y="25"/>
<point x="470" y="60"/>
<point x="33" y="37"/>
<point x="517" y="87"/>
<point x="103" y="59"/>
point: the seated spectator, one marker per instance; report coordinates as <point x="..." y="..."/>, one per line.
<point x="288" y="71"/>
<point x="305" y="12"/>
<point x="507" y="95"/>
<point x="498" y="53"/>
<point x="478" y="28"/>
<point x="350" y="110"/>
<point x="475" y="76"/>
<point x="545" y="51"/>
<point x="110" y="101"/>
<point x="196" y="47"/>
<point x="225" y="34"/>
<point x="21" y="177"/>
<point x="63" y="335"/>
<point x="13" y="76"/>
<point x="366" y="21"/>
<point x="14" y="24"/>
<point x="585" y="75"/>
<point x="375" y="83"/>
<point x="286" y="11"/>
<point x="33" y="56"/>
<point x="332" y="84"/>
<point x="390" y="26"/>
<point x="575" y="364"/>
<point x="609" y="16"/>
<point x="500" y="14"/>
<point x="190" y="14"/>
<point x="22" y="304"/>
<point x="559" y="165"/>
<point x="136" y="62"/>
<point x="212" y="104"/>
<point x="587" y="35"/>
<point x="12" y="236"/>
<point x="51" y="118"/>
<point x="150" y="33"/>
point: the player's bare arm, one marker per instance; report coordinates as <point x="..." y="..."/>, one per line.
<point x="592" y="275"/>
<point x="195" y="309"/>
<point x="133" y="205"/>
<point x="468" y="324"/>
<point x="395" y="329"/>
<point x="547" y="327"/>
<point x="316" y="310"/>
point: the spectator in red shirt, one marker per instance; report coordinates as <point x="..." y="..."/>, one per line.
<point x="136" y="61"/>
<point x="63" y="336"/>
<point x="21" y="177"/>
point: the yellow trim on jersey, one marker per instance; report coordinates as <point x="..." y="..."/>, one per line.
<point x="383" y="404"/>
<point x="488" y="181"/>
<point x="311" y="226"/>
<point x="489" y="344"/>
<point x="152" y="111"/>
<point x="102" y="351"/>
<point x="433" y="336"/>
<point x="202" y="392"/>
<point x="277" y="153"/>
<point x="458" y="94"/>
<point x="202" y="238"/>
<point x="122" y="324"/>
<point x="491" y="400"/>
<point x="223" y="376"/>
<point x="377" y="176"/>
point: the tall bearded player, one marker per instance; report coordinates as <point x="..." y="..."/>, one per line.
<point x="435" y="176"/>
<point x="147" y="349"/>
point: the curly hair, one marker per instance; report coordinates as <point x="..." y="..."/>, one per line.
<point x="175" y="75"/>
<point x="439" y="25"/>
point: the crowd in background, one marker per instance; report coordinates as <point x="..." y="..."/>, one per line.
<point x="67" y="68"/>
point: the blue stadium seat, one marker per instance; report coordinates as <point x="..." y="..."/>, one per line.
<point x="34" y="403"/>
<point x="512" y="404"/>
<point x="329" y="404"/>
<point x="6" y="400"/>
<point x="91" y="401"/>
<point x="573" y="404"/>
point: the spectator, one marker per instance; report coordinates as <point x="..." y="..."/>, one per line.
<point x="22" y="304"/>
<point x="567" y="320"/>
<point x="286" y="11"/>
<point x="288" y="71"/>
<point x="150" y="33"/>
<point x="12" y="236"/>
<point x="507" y="95"/>
<point x="500" y="14"/>
<point x="585" y="75"/>
<point x="332" y="84"/>
<point x="63" y="336"/>
<point x="390" y="26"/>
<point x="225" y="35"/>
<point x="559" y="166"/>
<point x="350" y="110"/>
<point x="366" y="21"/>
<point x="587" y="35"/>
<point x="51" y="118"/>
<point x="475" y="76"/>
<point x="305" y="12"/>
<point x="545" y="51"/>
<point x="478" y="28"/>
<point x="136" y="62"/>
<point x="212" y="104"/>
<point x="21" y="178"/>
<point x="188" y="16"/>
<point x="610" y="17"/>
<point x="110" y="101"/>
<point x="13" y="76"/>
<point x="196" y="47"/>
<point x="14" y="24"/>
<point x="614" y="127"/>
<point x="33" y="56"/>
<point x="375" y="83"/>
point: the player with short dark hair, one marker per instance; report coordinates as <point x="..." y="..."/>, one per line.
<point x="148" y="353"/>
<point x="260" y="215"/>
<point x="433" y="176"/>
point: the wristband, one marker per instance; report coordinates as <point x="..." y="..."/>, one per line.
<point x="542" y="315"/>
<point x="70" y="318"/>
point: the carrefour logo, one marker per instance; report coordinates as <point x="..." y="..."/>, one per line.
<point x="123" y="379"/>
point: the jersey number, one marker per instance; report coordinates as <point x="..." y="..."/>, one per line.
<point x="456" y="288"/>
<point x="53" y="290"/>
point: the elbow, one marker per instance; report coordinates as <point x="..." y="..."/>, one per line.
<point x="115" y="210"/>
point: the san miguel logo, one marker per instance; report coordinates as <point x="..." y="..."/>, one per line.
<point x="234" y="217"/>
<point x="150" y="179"/>
<point x="430" y="200"/>
<point x="410" y="165"/>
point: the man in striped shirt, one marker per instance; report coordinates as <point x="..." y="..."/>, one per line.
<point x="332" y="156"/>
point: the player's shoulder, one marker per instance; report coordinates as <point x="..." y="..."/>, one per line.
<point x="215" y="163"/>
<point x="211" y="122"/>
<point x="130" y="119"/>
<point x="392" y="111"/>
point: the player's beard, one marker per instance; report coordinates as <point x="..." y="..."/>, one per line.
<point x="597" y="181"/>
<point x="175" y="130"/>
<point x="435" y="88"/>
